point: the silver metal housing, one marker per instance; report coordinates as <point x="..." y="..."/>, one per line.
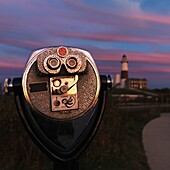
<point x="85" y="90"/>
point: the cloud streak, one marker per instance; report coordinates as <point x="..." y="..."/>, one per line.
<point x="12" y="63"/>
<point x="115" y="55"/>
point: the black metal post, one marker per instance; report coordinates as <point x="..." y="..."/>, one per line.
<point x="70" y="165"/>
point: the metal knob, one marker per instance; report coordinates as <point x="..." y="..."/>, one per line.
<point x="110" y="82"/>
<point x="8" y="87"/>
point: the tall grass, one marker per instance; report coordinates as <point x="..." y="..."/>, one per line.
<point x="116" y="146"/>
<point x="17" y="152"/>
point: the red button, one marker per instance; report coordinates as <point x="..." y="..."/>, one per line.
<point x="62" y="51"/>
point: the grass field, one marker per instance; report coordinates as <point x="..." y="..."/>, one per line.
<point x="116" y="146"/>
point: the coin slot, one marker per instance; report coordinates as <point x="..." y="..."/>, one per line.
<point x="38" y="87"/>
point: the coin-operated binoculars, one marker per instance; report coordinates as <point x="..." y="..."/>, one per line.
<point x="60" y="99"/>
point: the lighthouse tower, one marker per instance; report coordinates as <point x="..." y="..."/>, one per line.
<point x="124" y="71"/>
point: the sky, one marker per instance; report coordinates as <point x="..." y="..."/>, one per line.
<point x="107" y="29"/>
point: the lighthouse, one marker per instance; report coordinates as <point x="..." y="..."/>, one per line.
<point x="124" y="71"/>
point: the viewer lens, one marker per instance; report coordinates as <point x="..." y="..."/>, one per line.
<point x="72" y="62"/>
<point x="53" y="63"/>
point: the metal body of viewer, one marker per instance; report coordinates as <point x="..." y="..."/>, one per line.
<point x="60" y="99"/>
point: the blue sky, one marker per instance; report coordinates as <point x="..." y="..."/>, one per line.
<point x="107" y="29"/>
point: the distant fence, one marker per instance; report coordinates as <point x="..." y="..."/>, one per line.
<point x="133" y="98"/>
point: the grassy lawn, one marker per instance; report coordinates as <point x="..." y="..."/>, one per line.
<point x="116" y="146"/>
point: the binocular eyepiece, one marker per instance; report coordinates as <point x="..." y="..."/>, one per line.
<point x="60" y="99"/>
<point x="52" y="60"/>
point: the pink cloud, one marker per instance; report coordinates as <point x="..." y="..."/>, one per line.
<point x="150" y="18"/>
<point x="106" y="69"/>
<point x="115" y="55"/>
<point x="115" y="37"/>
<point x="135" y="69"/>
<point x="150" y="57"/>
<point x="12" y="63"/>
<point x="150" y="70"/>
<point x="28" y="44"/>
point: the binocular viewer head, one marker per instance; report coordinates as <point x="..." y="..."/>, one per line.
<point x="60" y="99"/>
<point x="61" y="82"/>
